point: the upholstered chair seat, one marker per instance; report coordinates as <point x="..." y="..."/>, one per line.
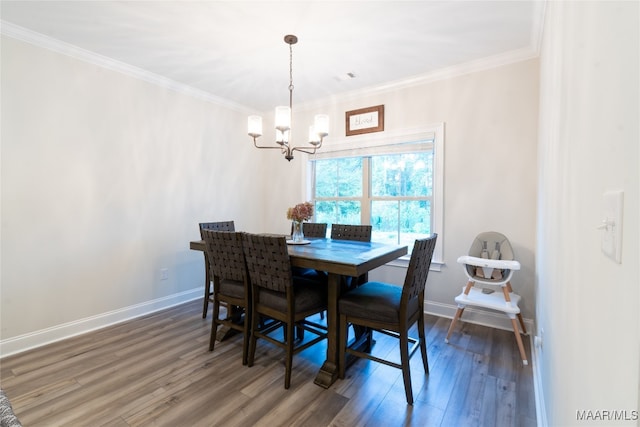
<point x="377" y="301"/>
<point x="307" y="296"/>
<point x="232" y="288"/>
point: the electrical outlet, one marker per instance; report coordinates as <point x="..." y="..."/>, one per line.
<point x="164" y="273"/>
<point x="538" y="340"/>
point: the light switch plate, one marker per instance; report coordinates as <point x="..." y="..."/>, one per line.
<point x="612" y="225"/>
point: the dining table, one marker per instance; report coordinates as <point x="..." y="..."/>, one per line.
<point x="338" y="258"/>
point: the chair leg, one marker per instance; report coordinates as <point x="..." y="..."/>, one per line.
<point x="423" y="343"/>
<point x="290" y="330"/>
<point x="214" y="324"/>
<point x="369" y="345"/>
<point x="207" y="287"/>
<point x="300" y="333"/>
<point x="255" y="319"/>
<point x="466" y="291"/>
<point x="207" y="295"/>
<point x="453" y="323"/>
<point x="404" y="361"/>
<point x="524" y="329"/>
<point x="246" y="330"/>
<point x="516" y="331"/>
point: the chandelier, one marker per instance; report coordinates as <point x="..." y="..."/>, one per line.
<point x="317" y="131"/>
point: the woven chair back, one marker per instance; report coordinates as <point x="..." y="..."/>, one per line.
<point x="360" y="233"/>
<point x="219" y="226"/>
<point x="419" y="265"/>
<point x="268" y="261"/>
<point x="225" y="253"/>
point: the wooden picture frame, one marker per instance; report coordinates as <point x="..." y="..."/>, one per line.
<point x="365" y="120"/>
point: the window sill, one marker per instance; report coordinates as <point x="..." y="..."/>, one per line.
<point x="403" y="262"/>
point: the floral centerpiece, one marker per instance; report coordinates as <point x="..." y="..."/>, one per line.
<point x="298" y="214"/>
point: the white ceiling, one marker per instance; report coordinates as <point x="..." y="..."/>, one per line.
<point x="234" y="50"/>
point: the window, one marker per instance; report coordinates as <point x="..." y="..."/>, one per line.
<point x="393" y="184"/>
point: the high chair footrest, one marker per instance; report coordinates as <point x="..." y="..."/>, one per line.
<point x="493" y="301"/>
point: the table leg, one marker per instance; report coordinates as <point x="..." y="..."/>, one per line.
<point x="329" y="371"/>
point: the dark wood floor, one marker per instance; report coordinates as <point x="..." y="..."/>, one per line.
<point x="157" y="370"/>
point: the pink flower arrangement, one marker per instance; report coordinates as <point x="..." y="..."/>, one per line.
<point x="300" y="212"/>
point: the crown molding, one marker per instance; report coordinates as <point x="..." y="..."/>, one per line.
<point x="20" y="33"/>
<point x="482" y="64"/>
<point x="478" y="65"/>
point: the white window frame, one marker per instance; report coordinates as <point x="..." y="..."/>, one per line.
<point x="387" y="143"/>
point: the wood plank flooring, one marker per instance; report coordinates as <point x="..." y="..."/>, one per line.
<point x="157" y="370"/>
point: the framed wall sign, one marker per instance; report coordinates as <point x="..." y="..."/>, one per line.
<point x="365" y="120"/>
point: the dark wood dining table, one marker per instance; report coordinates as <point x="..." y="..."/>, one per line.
<point x="338" y="258"/>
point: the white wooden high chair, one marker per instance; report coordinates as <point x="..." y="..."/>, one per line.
<point x="490" y="264"/>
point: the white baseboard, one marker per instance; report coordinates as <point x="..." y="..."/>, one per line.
<point x="42" y="337"/>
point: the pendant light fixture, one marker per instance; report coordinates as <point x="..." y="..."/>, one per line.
<point x="317" y="132"/>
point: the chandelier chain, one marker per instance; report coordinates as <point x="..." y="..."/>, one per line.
<point x="290" y="75"/>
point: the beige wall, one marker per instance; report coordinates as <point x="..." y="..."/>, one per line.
<point x="491" y="120"/>
<point x="104" y="178"/>
<point x="587" y="305"/>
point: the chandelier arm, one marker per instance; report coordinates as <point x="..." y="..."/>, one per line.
<point x="255" y="144"/>
<point x="304" y="149"/>
<point x="310" y="147"/>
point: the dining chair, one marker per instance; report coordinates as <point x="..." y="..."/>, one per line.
<point x="391" y="310"/>
<point x="277" y="295"/>
<point x="230" y="284"/>
<point x="219" y="226"/>
<point x="359" y="233"/>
